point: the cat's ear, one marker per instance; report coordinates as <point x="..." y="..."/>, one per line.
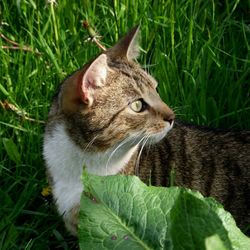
<point x="94" y="77"/>
<point x="80" y="87"/>
<point x="127" y="47"/>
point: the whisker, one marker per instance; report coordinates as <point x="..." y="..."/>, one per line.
<point x="144" y="139"/>
<point x="90" y="143"/>
<point x="138" y="136"/>
<point x="149" y="145"/>
<point x="123" y="142"/>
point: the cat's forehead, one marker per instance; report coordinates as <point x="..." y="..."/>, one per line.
<point x="135" y="73"/>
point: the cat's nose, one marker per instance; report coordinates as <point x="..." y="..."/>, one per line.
<point x="169" y="117"/>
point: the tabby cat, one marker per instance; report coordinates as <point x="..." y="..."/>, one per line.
<point x="106" y="113"/>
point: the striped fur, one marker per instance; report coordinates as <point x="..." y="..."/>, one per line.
<point x="91" y="123"/>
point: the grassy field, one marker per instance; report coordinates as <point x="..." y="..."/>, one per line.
<point x="199" y="51"/>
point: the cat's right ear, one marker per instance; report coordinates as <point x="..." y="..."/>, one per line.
<point x="94" y="77"/>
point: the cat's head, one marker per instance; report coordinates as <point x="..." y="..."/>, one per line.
<point x="112" y="100"/>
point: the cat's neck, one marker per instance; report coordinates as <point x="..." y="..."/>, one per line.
<point x="64" y="155"/>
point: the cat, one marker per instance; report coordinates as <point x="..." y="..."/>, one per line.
<point x="108" y="117"/>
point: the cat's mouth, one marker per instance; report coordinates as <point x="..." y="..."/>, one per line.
<point x="156" y="137"/>
<point x="153" y="135"/>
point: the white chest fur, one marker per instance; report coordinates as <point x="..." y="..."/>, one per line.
<point x="65" y="161"/>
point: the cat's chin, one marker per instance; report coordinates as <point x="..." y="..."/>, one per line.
<point x="160" y="135"/>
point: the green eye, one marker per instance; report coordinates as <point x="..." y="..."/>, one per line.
<point x="138" y="106"/>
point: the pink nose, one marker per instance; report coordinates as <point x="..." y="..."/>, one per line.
<point x="169" y="117"/>
<point x="167" y="114"/>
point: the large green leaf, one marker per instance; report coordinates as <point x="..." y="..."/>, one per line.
<point x="214" y="243"/>
<point x="121" y="212"/>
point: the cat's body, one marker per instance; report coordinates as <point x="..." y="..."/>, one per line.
<point x="105" y="114"/>
<point x="215" y="162"/>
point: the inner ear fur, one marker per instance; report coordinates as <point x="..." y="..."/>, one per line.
<point x="80" y="87"/>
<point x="94" y="77"/>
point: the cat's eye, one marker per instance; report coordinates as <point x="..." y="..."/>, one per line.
<point x="138" y="106"/>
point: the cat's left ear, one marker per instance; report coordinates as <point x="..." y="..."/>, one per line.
<point x="128" y="46"/>
<point x="94" y="77"/>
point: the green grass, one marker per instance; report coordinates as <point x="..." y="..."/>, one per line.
<point x="197" y="50"/>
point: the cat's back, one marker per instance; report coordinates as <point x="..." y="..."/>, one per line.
<point x="190" y="147"/>
<point x="214" y="161"/>
<point x="211" y="142"/>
